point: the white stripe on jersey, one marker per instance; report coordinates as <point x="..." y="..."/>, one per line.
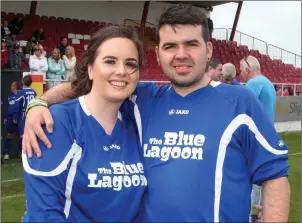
<point x="85" y="109"/>
<point x="74" y="153"/>
<point x="20" y="98"/>
<point x="227" y="135"/>
<point x="138" y="119"/>
<point x="75" y="149"/>
<point x="70" y="179"/>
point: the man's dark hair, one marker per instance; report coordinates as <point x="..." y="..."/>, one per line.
<point x="62" y="38"/>
<point x="27" y="81"/>
<point x="214" y="62"/>
<point x="183" y="14"/>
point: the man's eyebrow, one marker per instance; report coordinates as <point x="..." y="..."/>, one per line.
<point x="192" y="41"/>
<point x="185" y="42"/>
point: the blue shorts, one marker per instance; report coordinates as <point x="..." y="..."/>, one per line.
<point x="11" y="127"/>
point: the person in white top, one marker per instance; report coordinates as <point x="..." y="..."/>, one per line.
<point x="38" y="63"/>
<point x="70" y="61"/>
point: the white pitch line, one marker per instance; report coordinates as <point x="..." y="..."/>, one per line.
<point x="12" y="196"/>
<point x="12" y="180"/>
<point x="294" y="154"/>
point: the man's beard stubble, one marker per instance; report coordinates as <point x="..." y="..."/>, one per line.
<point x="197" y="80"/>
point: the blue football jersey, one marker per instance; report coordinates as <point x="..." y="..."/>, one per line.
<point x="23" y="97"/>
<point x="11" y="107"/>
<point x="88" y="176"/>
<point x="204" y="151"/>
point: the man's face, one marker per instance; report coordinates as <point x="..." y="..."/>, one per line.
<point x="182" y="54"/>
<point x="13" y="87"/>
<point x="64" y="42"/>
<point x="14" y="37"/>
<point x="215" y="74"/>
<point x="243" y="70"/>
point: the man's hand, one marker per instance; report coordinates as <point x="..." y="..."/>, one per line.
<point x="15" y="121"/>
<point x="36" y="117"/>
<point x="5" y="121"/>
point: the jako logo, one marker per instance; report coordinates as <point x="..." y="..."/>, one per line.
<point x="178" y="112"/>
<point x="171" y="112"/>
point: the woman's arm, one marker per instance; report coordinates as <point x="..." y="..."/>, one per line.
<point x="45" y="177"/>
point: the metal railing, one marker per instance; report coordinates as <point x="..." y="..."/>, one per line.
<point x="281" y="54"/>
<point x="263" y="47"/>
<point x="251" y="42"/>
<point x="220" y="33"/>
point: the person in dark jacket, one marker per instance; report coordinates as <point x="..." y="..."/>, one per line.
<point x="16" y="25"/>
<point x="5" y="30"/>
<point x="15" y="57"/>
<point x="63" y="45"/>
<point x="39" y="35"/>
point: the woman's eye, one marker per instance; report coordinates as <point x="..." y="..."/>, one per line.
<point x="111" y="62"/>
<point x="132" y="65"/>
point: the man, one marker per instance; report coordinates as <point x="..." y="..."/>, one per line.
<point x="15" y="57"/>
<point x="196" y="157"/>
<point x="261" y="87"/>
<point x="229" y="74"/>
<point x="9" y="116"/>
<point x="39" y="35"/>
<point x="23" y="97"/>
<point x="63" y="45"/>
<point x="215" y="69"/>
<point x="10" y="42"/>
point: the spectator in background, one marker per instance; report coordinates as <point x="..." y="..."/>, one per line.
<point x="44" y="53"/>
<point x="15" y="57"/>
<point x="29" y="48"/>
<point x="5" y="31"/>
<point x="9" y="118"/>
<point x="10" y="42"/>
<point x="4" y="54"/>
<point x="16" y="25"/>
<point x="56" y="68"/>
<point x="39" y="35"/>
<point x="70" y="61"/>
<point x="63" y="45"/>
<point x="229" y="74"/>
<point x="214" y="69"/>
<point x="259" y="85"/>
<point x="38" y="63"/>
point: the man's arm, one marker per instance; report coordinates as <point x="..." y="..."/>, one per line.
<point x="276" y="200"/>
<point x="59" y="93"/>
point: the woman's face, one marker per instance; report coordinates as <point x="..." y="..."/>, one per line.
<point x="55" y="54"/>
<point x="38" y="51"/>
<point x="68" y="51"/>
<point x="115" y="71"/>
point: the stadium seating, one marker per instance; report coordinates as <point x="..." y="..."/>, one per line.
<point x="78" y="32"/>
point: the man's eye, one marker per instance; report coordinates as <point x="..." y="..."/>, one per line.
<point x="168" y="47"/>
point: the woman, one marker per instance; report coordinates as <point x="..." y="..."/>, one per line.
<point x="56" y="69"/>
<point x="38" y="62"/>
<point x="70" y="61"/>
<point x="96" y="174"/>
